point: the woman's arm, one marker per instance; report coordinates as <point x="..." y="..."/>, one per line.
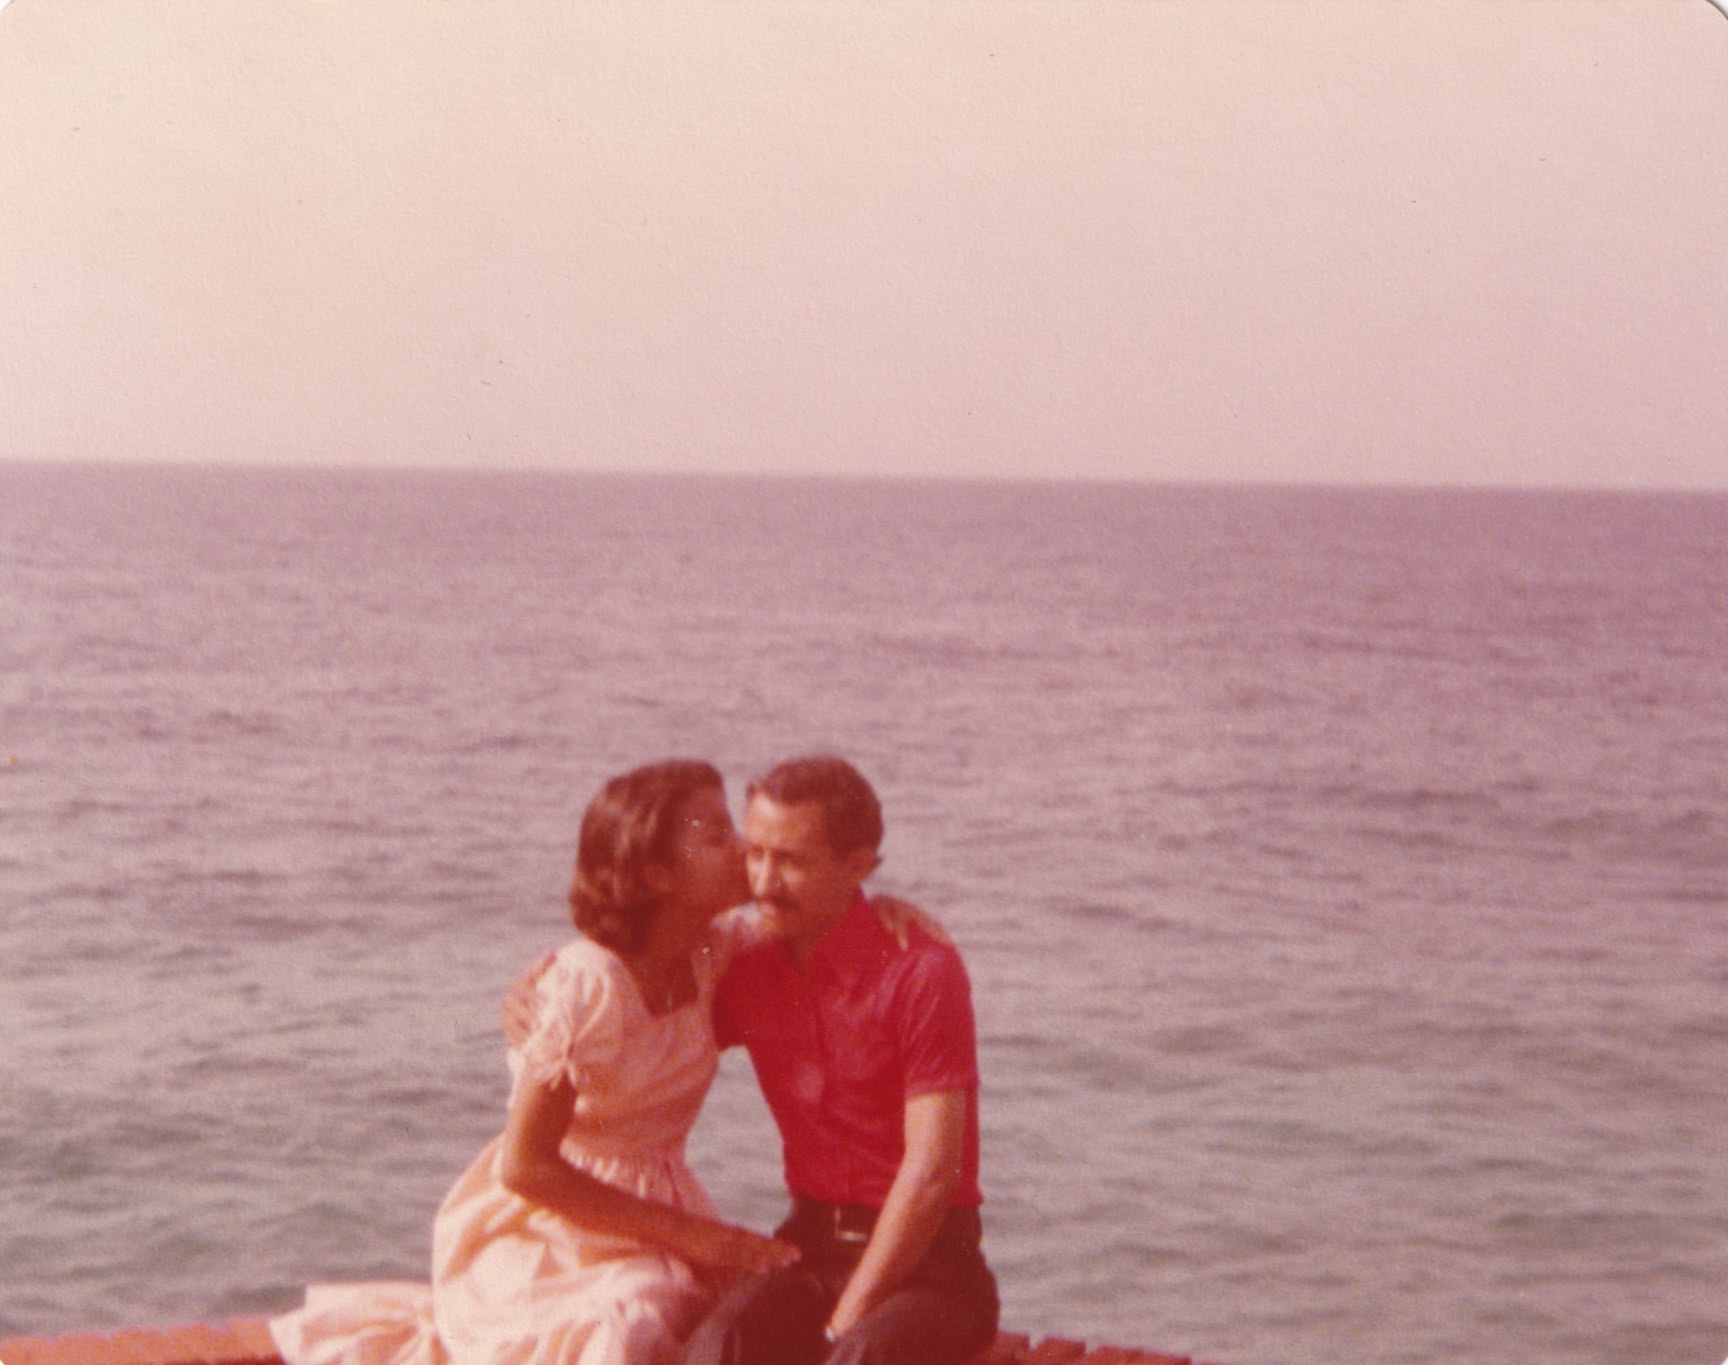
<point x="532" y="1167"/>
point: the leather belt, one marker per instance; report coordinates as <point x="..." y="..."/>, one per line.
<point x="837" y="1222"/>
<point x="853" y="1223"/>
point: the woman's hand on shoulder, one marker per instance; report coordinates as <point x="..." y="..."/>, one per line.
<point x="900" y="917"/>
<point x="521" y="1002"/>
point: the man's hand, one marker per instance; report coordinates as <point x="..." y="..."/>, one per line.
<point x="521" y="1003"/>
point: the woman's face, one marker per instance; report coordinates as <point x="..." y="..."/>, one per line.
<point x="706" y="869"/>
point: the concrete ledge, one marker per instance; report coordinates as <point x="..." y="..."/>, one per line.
<point x="246" y="1341"/>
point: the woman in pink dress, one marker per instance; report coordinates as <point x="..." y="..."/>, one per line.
<point x="579" y="1236"/>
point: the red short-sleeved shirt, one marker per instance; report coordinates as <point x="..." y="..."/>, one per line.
<point x="840" y="1046"/>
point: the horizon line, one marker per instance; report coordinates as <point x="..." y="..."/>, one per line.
<point x="1222" y="483"/>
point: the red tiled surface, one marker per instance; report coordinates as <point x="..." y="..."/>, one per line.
<point x="1056" y="1351"/>
<point x="246" y="1341"/>
<point x="1122" y="1355"/>
<point x="1009" y="1348"/>
<point x="254" y="1337"/>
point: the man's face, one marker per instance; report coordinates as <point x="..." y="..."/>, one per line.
<point x="797" y="878"/>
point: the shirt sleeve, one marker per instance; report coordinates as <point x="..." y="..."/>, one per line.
<point x="937" y="1033"/>
<point x="578" y="1029"/>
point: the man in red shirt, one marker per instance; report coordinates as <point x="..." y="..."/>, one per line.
<point x="867" y="1055"/>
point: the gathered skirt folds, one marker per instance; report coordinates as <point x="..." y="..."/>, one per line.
<point x="513" y="1285"/>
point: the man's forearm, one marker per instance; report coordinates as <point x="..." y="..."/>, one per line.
<point x="902" y="1235"/>
<point x="918" y="1201"/>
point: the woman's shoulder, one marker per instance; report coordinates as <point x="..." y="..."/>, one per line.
<point x="584" y="970"/>
<point x="578" y="1021"/>
<point x="585" y="954"/>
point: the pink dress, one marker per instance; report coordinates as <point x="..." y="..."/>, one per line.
<point x="514" y="1284"/>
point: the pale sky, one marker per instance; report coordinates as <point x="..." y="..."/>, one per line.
<point x="1390" y="241"/>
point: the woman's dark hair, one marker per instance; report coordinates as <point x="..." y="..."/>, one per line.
<point x="628" y="828"/>
<point x="851" y="814"/>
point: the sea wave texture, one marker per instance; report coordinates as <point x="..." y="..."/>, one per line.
<point x="1343" y="874"/>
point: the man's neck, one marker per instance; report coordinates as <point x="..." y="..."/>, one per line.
<point x="802" y="947"/>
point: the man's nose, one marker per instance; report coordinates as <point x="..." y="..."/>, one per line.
<point x="764" y="876"/>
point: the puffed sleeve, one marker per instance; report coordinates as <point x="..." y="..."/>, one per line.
<point x="578" y="1028"/>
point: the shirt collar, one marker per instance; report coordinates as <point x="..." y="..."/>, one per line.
<point x="856" y="944"/>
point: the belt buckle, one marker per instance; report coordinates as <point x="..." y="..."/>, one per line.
<point x="845" y="1232"/>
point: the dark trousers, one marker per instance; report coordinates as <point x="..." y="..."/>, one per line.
<point x="944" y="1312"/>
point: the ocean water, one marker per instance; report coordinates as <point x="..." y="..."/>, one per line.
<point x="1343" y="875"/>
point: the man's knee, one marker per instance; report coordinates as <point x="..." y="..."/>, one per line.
<point x="917" y="1329"/>
<point x="946" y="1315"/>
<point x="768" y="1319"/>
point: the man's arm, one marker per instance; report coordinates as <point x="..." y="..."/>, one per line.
<point x="917" y="1203"/>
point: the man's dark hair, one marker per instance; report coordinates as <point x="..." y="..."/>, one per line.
<point x="851" y="814"/>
